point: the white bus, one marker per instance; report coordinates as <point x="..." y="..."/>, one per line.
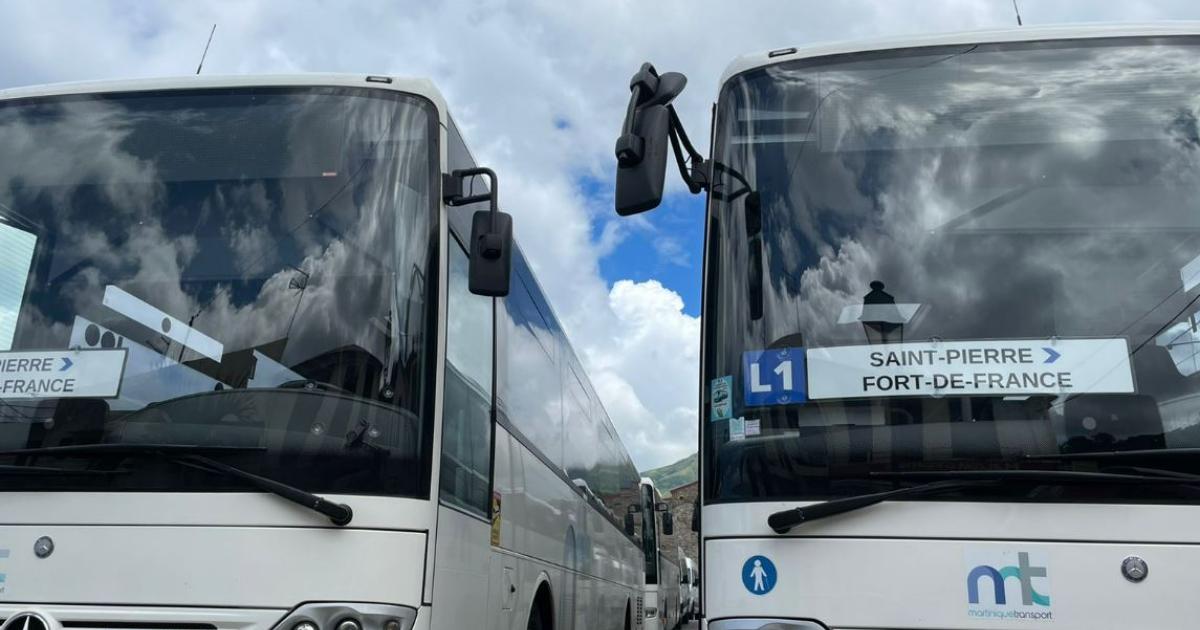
<point x="689" y="581"/>
<point x="950" y="313"/>
<point x="663" y="561"/>
<point x="246" y="382"/>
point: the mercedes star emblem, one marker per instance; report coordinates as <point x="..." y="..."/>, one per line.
<point x="43" y="547"/>
<point x="1134" y="569"/>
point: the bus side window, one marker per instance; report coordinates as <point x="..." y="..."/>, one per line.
<point x="466" y="424"/>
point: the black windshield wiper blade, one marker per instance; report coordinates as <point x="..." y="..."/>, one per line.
<point x="8" y="469"/>
<point x="1051" y="476"/>
<point x="130" y="449"/>
<point x="193" y="455"/>
<point x="953" y="480"/>
<point x="1151" y="453"/>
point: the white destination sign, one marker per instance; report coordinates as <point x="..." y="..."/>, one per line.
<point x="61" y="374"/>
<point x="971" y="368"/>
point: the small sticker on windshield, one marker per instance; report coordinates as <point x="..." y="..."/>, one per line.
<point x="737" y="429"/>
<point x="61" y="373"/>
<point x="721" y="397"/>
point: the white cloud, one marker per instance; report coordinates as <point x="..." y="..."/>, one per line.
<point x="510" y="71"/>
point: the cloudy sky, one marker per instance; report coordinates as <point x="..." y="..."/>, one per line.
<point x="539" y="88"/>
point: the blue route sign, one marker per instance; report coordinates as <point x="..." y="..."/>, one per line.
<point x="774" y="377"/>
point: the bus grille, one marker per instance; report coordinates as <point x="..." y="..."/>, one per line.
<point x="641" y="611"/>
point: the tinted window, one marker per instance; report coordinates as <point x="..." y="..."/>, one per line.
<point x="257" y="260"/>
<point x="531" y="389"/>
<point x="1006" y="235"/>
<point x="466" y="429"/>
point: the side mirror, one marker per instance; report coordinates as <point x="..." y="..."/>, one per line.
<point x="642" y="147"/>
<point x="696" y="516"/>
<point x="629" y="524"/>
<point x="668" y="524"/>
<point x="491" y="253"/>
<point x="491" y="234"/>
<point x="642" y="174"/>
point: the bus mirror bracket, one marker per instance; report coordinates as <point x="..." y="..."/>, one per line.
<point x="491" y="233"/>
<point x="641" y="149"/>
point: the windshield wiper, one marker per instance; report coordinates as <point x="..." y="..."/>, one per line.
<point x="953" y="480"/>
<point x="9" y="469"/>
<point x="191" y="455"/>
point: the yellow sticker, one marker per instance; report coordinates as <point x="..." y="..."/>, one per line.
<point x="495" y="519"/>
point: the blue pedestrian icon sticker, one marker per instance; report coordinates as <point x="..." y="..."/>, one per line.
<point x="758" y="575"/>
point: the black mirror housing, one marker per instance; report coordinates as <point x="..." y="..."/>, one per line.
<point x="668" y="524"/>
<point x="696" y="516"/>
<point x="491" y="253"/>
<point x="629" y="524"/>
<point x="640" y="181"/>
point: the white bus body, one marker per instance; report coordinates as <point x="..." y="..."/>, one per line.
<point x="194" y="199"/>
<point x="888" y="225"/>
<point x="663" y="595"/>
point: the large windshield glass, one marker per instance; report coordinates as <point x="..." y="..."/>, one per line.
<point x="955" y="258"/>
<point x="249" y="267"/>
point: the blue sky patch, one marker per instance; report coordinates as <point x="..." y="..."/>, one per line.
<point x="665" y="244"/>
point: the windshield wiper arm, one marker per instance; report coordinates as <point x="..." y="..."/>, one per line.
<point x="783" y="521"/>
<point x="953" y="480"/>
<point x="339" y="514"/>
<point x="190" y="455"/>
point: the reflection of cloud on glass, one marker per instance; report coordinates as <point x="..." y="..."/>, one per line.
<point x="16" y="254"/>
<point x="919" y="169"/>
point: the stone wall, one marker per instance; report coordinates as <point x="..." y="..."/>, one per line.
<point x="682" y="501"/>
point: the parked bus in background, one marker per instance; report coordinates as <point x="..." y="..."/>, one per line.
<point x="949" y="375"/>
<point x="260" y="361"/>
<point x="662" y="560"/>
<point x="687" y="580"/>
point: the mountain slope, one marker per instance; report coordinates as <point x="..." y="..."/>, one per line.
<point x="674" y="475"/>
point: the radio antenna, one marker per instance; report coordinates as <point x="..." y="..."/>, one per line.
<point x="1016" y="10"/>
<point x="209" y="43"/>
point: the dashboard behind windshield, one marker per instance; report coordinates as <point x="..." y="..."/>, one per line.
<point x="222" y="267"/>
<point x="955" y="258"/>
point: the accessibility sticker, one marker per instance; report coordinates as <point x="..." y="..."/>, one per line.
<point x="759" y="575"/>
<point x="971" y="368"/>
<point x="61" y="373"/>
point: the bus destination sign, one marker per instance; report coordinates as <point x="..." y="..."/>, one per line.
<point x="1005" y="367"/>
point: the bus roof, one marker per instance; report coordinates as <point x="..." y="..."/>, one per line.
<point x="1015" y="34"/>
<point x="419" y="87"/>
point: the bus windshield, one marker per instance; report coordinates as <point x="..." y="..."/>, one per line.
<point x="956" y="258"/>
<point x="227" y="267"/>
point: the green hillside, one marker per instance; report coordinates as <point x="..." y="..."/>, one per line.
<point x="673" y="475"/>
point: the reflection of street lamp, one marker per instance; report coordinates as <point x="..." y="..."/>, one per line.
<point x="881" y="319"/>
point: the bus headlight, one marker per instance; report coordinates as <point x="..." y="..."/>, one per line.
<point x="765" y="624"/>
<point x="348" y="616"/>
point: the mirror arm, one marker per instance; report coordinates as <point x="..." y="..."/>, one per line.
<point x="452" y="189"/>
<point x="698" y="179"/>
